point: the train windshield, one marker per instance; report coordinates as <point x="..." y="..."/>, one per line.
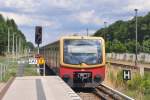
<point x="82" y="51"/>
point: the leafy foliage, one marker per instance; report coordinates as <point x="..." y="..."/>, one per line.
<point x="117" y="46"/>
<point x="121" y="34"/>
<point x="146" y="46"/>
<point x="5" y="25"/>
<point x="30" y="45"/>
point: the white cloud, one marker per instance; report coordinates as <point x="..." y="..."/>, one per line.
<point x="27" y="20"/>
<point x="51" y="37"/>
<point x="68" y="4"/>
<point x="60" y="3"/>
<point x="139" y="4"/>
<point x="62" y="16"/>
<point x="22" y="5"/>
<point x="87" y="17"/>
<point x="31" y="6"/>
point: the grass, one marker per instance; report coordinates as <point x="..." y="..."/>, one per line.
<point x="138" y="87"/>
<point x="147" y="97"/>
<point x="30" y="70"/>
<point x="11" y="72"/>
<point x="3" y="59"/>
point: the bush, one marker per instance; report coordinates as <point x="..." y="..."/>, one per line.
<point x="118" y="47"/>
<point x="111" y="75"/>
<point x="146" y="46"/>
<point x="119" y="79"/>
<point x="146" y="86"/>
<point x="141" y="84"/>
<point x="135" y="82"/>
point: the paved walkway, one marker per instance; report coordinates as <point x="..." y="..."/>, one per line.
<point x="20" y="72"/>
<point x="21" y="65"/>
<point x="40" y="88"/>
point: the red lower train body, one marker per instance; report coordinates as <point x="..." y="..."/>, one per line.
<point x="90" y="77"/>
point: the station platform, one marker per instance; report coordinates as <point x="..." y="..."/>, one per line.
<point x="40" y="88"/>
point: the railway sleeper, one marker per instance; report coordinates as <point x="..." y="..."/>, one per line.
<point x="102" y="95"/>
<point x="110" y="92"/>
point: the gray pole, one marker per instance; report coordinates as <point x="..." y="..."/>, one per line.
<point x="16" y="47"/>
<point x="8" y="42"/>
<point x="87" y="32"/>
<point x="13" y="45"/>
<point x="44" y="70"/>
<point x="136" y="37"/>
<point x="105" y="31"/>
<point x="19" y="45"/>
<point x="38" y="49"/>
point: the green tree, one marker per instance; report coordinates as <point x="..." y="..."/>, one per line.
<point x="124" y="32"/>
<point x="108" y="46"/>
<point x="118" y="47"/>
<point x="131" y="46"/>
<point x="146" y="46"/>
<point x="13" y="28"/>
<point x="30" y="45"/>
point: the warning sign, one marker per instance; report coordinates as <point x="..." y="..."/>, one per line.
<point x="41" y="61"/>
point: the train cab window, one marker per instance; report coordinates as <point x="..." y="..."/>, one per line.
<point x="82" y="51"/>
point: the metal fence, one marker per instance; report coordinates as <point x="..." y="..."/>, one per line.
<point x="142" y="57"/>
<point x="3" y="70"/>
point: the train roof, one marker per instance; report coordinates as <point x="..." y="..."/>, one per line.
<point x="73" y="37"/>
<point x="80" y="37"/>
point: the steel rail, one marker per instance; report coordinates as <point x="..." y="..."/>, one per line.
<point x="114" y="93"/>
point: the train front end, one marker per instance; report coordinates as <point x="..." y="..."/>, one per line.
<point x="82" y="61"/>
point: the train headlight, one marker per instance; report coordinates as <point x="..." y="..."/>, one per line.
<point x="97" y="78"/>
<point x="66" y="77"/>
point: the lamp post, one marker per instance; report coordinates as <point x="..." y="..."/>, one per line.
<point x="136" y="10"/>
<point x="87" y="31"/>
<point x="105" y="23"/>
<point x="16" y="47"/>
<point x="8" y="41"/>
<point x="19" y="51"/>
<point x="13" y="47"/>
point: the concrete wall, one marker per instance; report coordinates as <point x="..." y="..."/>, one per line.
<point x="142" y="57"/>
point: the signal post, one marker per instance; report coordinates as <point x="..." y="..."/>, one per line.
<point x="38" y="36"/>
<point x="38" y="39"/>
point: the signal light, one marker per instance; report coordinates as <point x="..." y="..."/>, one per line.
<point x="38" y="34"/>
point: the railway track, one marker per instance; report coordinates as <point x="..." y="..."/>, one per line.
<point x="107" y="93"/>
<point x="88" y="96"/>
<point x="103" y="92"/>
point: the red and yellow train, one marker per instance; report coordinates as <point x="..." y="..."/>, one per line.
<point x="78" y="60"/>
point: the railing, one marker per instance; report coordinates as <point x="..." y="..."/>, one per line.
<point x="142" y="57"/>
<point x="3" y="71"/>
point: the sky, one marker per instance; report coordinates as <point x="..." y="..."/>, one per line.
<point x="67" y="17"/>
